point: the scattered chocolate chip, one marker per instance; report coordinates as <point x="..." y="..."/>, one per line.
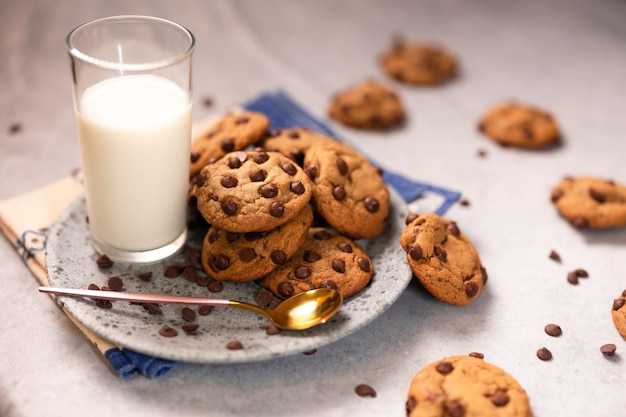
<point x="167" y="331"/>
<point x="471" y="289"/>
<point x="302" y="272"/>
<point x="342" y="166"/>
<point x="339" y="192"/>
<point x="263" y="298"/>
<point x="229" y="181"/>
<point x="618" y="303"/>
<point x="228" y="145"/>
<point x="190" y="328"/>
<point x="364" y="264"/>
<point x="207" y="101"/>
<point x="289" y="168"/>
<point x="104" y="303"/>
<point x="477" y="355"/>
<point x="555" y="256"/>
<point x="371" y="204"/>
<point x="93" y="287"/>
<point x="364" y="390"/>
<point x="544" y="354"/>
<point x="553" y="330"/>
<point x="205" y="310"/>
<point x="271" y="329"/>
<point x="115" y="283"/>
<point x="410" y="217"/>
<point x="608" y="349"/>
<point x="229" y="207"/>
<point x="310" y="352"/>
<point x="190" y="274"/>
<point x="152" y="308"/>
<point x="415" y="251"/>
<point x="104" y="262"/>
<point x="188" y="314"/>
<point x="285" y="289"/>
<point x="234" y="345"/>
<point x="464" y="202"/>
<point x="15" y="128"/>
<point x="581" y="273"/>
<point x="172" y="271"/>
<point x="453" y="228"/>
<point x="572" y="278"/>
<point x="344" y="247"/>
<point x="481" y="153"/>
<point x="597" y="195"/>
<point x="339" y="265"/>
<point x="145" y="276"/>
<point x="500" y="398"/>
<point x="444" y="367"/>
<point x="215" y="286"/>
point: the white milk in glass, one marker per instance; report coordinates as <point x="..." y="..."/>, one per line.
<point x="134" y="136"/>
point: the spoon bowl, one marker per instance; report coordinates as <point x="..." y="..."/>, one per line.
<point x="300" y="312"/>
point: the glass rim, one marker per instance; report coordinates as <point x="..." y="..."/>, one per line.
<point x="144" y="66"/>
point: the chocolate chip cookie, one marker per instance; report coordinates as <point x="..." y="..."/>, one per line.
<point x="349" y="191"/>
<point x="368" y="105"/>
<point x="618" y="312"/>
<point x="233" y="132"/>
<point x="294" y="142"/>
<point x="520" y="125"/>
<point x="326" y="260"/>
<point x="254" y="191"/>
<point x="466" y="386"/>
<point x="418" y="62"/>
<point x="589" y="202"/>
<point x="443" y="259"/>
<point x="243" y="257"/>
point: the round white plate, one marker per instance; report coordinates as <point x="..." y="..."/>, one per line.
<point x="71" y="263"/>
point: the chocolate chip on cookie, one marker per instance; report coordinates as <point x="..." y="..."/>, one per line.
<point x="618" y="312"/>
<point x="520" y="125"/>
<point x="443" y="259"/>
<point x="468" y="386"/>
<point x="368" y="105"/>
<point x="326" y="260"/>
<point x="252" y="191"/>
<point x="418" y="62"/>
<point x="294" y="142"/>
<point x="242" y="257"/>
<point x="589" y="202"/>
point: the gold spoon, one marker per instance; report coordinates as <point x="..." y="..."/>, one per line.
<point x="300" y="312"/>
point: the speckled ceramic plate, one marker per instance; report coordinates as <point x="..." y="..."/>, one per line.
<point x="71" y="263"/>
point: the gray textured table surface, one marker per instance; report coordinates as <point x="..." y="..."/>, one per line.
<point x="567" y="56"/>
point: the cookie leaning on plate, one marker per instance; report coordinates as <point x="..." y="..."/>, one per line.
<point x="589" y="202"/>
<point x="243" y="257"/>
<point x="465" y="386"/>
<point x="254" y="191"/>
<point x="443" y="259"/>
<point x="418" y="63"/>
<point x="233" y="132"/>
<point x="520" y="125"/>
<point x="326" y="260"/>
<point x="368" y="105"/>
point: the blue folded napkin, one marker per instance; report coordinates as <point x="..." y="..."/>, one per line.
<point x="283" y="113"/>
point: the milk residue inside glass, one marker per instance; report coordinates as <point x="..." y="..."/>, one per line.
<point x="134" y="136"/>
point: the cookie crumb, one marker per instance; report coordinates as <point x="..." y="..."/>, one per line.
<point x="364" y="390"/>
<point x="544" y="354"/>
<point x="608" y="349"/>
<point x="555" y="256"/>
<point x="553" y="330"/>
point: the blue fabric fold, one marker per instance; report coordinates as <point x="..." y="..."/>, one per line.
<point x="128" y="364"/>
<point x="283" y="113"/>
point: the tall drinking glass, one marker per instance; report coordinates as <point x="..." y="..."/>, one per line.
<point x="132" y="99"/>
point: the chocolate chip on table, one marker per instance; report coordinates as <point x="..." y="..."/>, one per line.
<point x="444" y="367"/>
<point x="115" y="283"/>
<point x="104" y="303"/>
<point x="271" y="330"/>
<point x="152" y="308"/>
<point x="364" y="390"/>
<point x="188" y="314"/>
<point x="263" y="298"/>
<point x="234" y="345"/>
<point x="481" y="153"/>
<point x="554" y="256"/>
<point x="205" y="310"/>
<point x="275" y="302"/>
<point x="544" y="354"/>
<point x="190" y="274"/>
<point x="94" y="287"/>
<point x="172" y="271"/>
<point x="15" y="128"/>
<point x="608" y="349"/>
<point x="581" y="273"/>
<point x="464" y="202"/>
<point x="190" y="328"/>
<point x="572" y="278"/>
<point x="207" y="101"/>
<point x="104" y="262"/>
<point x="145" y="276"/>
<point x="215" y="286"/>
<point x="310" y="352"/>
<point x="167" y="331"/>
<point x="553" y="330"/>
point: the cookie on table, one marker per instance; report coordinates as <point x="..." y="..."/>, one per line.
<point x="242" y="257"/>
<point x="520" y="125"/>
<point x="618" y="312"/>
<point x="326" y="260"/>
<point x="233" y="132"/>
<point x="369" y="105"/>
<point x="589" y="202"/>
<point x="349" y="193"/>
<point x="419" y="62"/>
<point x="465" y="386"/>
<point x="254" y="191"/>
<point x="443" y="259"/>
<point x="294" y="142"/>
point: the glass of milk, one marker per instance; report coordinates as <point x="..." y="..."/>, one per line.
<point x="132" y="98"/>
